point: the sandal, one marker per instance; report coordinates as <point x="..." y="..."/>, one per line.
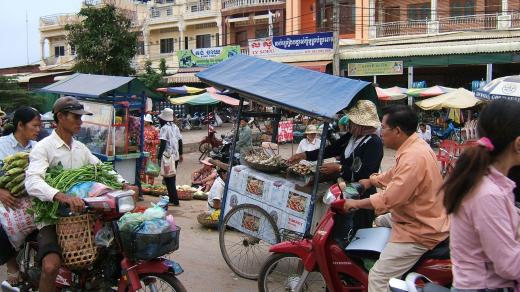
<point x="14" y="279"/>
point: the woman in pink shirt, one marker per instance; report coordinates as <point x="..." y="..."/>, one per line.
<point x="479" y="197"/>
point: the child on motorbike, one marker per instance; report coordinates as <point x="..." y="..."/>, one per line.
<point x="485" y="250"/>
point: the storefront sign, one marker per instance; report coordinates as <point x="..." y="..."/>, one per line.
<point x="206" y="57"/>
<point x="285" y="131"/>
<point x="375" y="68"/>
<point x="311" y="43"/>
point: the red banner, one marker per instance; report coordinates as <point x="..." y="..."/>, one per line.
<point x="285" y="131"/>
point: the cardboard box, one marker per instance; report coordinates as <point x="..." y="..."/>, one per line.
<point x="298" y="203"/>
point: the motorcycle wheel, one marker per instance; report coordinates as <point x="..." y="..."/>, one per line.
<point x="160" y="282"/>
<point x="243" y="253"/>
<point x="204" y="149"/>
<point x="282" y="272"/>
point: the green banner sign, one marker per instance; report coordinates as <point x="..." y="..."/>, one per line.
<point x="206" y="57"/>
<point x="375" y="68"/>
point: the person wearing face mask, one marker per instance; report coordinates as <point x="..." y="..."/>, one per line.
<point x="360" y="151"/>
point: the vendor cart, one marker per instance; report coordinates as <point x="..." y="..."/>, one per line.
<point x="260" y="209"/>
<point x="114" y="132"/>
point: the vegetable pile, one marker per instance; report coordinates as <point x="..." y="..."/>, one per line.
<point x="14" y="173"/>
<point x="63" y="179"/>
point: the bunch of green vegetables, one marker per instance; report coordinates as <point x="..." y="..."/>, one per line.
<point x="13" y="178"/>
<point x="63" y="179"/>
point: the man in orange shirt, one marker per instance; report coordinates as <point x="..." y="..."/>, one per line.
<point x="410" y="192"/>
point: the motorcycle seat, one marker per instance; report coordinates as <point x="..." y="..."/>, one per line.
<point x="440" y="252"/>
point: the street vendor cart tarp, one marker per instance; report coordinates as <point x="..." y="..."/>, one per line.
<point x="302" y="90"/>
<point x="261" y="206"/>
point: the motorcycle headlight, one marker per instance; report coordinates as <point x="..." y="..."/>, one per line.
<point x="125" y="204"/>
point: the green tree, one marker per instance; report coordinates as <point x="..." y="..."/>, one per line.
<point x="163" y="67"/>
<point x="151" y="78"/>
<point x="13" y="96"/>
<point x="104" y="41"/>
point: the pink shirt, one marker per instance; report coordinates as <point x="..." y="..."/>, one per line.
<point x="484" y="249"/>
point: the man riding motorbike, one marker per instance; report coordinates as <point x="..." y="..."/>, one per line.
<point x="410" y="193"/>
<point x="59" y="147"/>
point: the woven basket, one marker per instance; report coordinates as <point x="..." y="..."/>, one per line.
<point x="76" y="239"/>
<point x="185" y="195"/>
<point x="266" y="168"/>
<point x="202" y="218"/>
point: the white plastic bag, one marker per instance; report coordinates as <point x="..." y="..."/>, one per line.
<point x="17" y="223"/>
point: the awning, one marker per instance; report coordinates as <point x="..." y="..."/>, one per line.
<point x="93" y="86"/>
<point x="199" y="99"/>
<point x="460" y="98"/>
<point x="182" y="78"/>
<point x="300" y="90"/>
<point x="223" y="98"/>
<point x="320" y="66"/>
<point x="429" y="92"/>
<point x="430" y="49"/>
<point x="181" y="90"/>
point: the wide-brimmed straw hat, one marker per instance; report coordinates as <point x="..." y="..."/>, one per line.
<point x="364" y="113"/>
<point x="166" y="115"/>
<point x="311" y="129"/>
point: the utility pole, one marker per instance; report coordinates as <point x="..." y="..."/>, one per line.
<point x="27" y="36"/>
<point x="335" y="24"/>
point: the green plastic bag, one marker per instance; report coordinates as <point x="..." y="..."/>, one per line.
<point x="152" y="168"/>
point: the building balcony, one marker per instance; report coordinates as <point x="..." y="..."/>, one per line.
<point x="477" y="22"/>
<point x="164" y="14"/>
<point x="233" y="4"/>
<point x="201" y="9"/>
<point x="57" y="21"/>
<point x="54" y="63"/>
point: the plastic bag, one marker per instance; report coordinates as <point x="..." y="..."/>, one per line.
<point x="88" y="189"/>
<point x="130" y="221"/>
<point x="154" y="212"/>
<point x="104" y="237"/>
<point x="154" y="226"/>
<point x="17" y="223"/>
<point x="152" y="168"/>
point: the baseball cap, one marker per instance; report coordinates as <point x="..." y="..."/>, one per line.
<point x="69" y="104"/>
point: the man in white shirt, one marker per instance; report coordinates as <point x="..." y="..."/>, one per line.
<point x="59" y="147"/>
<point x="425" y="133"/>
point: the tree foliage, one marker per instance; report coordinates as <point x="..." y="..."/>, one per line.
<point x="104" y="41"/>
<point x="13" y="96"/>
<point x="163" y="67"/>
<point x="151" y="78"/>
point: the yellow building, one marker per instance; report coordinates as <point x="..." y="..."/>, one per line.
<point x="163" y="27"/>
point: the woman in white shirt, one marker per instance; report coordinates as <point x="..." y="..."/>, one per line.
<point x="310" y="142"/>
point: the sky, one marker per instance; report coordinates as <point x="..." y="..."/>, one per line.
<point x="13" y="40"/>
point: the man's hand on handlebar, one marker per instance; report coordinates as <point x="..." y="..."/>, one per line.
<point x="76" y="204"/>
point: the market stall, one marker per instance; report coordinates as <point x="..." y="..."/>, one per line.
<point x="262" y="204"/>
<point x="114" y="132"/>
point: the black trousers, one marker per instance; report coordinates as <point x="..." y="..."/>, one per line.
<point x="172" y="187"/>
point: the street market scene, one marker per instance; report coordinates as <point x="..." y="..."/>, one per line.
<point x="274" y="145"/>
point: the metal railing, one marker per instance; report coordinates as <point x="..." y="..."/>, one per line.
<point x="244" y="50"/>
<point x="402" y="28"/>
<point x="165" y="11"/>
<point x="199" y="6"/>
<point x="244" y="3"/>
<point x="468" y="22"/>
<point x="58" y="19"/>
<point x="515" y="19"/>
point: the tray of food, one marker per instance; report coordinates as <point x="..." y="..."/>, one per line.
<point x="258" y="159"/>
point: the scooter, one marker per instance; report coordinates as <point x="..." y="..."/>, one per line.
<point x="323" y="262"/>
<point x="115" y="267"/>
<point x="223" y="152"/>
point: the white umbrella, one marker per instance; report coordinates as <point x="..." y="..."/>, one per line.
<point x="505" y="87"/>
<point x="460" y="98"/>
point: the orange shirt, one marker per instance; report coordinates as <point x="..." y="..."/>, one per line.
<point x="411" y="193"/>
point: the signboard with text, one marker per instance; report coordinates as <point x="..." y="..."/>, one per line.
<point x="375" y="68"/>
<point x="312" y="43"/>
<point x="206" y="57"/>
<point x="285" y="131"/>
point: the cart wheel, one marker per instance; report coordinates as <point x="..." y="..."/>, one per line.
<point x="245" y="254"/>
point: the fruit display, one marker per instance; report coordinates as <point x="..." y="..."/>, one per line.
<point x="300" y="169"/>
<point x="14" y="173"/>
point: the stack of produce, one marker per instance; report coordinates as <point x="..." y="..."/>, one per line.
<point x="14" y="173"/>
<point x="300" y="169"/>
<point x="154" y="190"/>
<point x="63" y="179"/>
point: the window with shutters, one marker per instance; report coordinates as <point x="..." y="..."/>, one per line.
<point x="59" y="51"/>
<point x="419" y="11"/>
<point x="166" y="46"/>
<point x="462" y="7"/>
<point x="203" y="41"/>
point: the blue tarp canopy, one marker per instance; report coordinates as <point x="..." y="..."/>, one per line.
<point x="94" y="86"/>
<point x="301" y="90"/>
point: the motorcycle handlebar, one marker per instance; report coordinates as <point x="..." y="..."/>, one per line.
<point x="64" y="209"/>
<point x="338" y="206"/>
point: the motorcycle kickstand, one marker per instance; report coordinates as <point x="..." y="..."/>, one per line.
<point x="303" y="278"/>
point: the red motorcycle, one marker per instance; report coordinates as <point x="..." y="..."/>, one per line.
<point x="209" y="142"/>
<point x="321" y="263"/>
<point x="116" y="267"/>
